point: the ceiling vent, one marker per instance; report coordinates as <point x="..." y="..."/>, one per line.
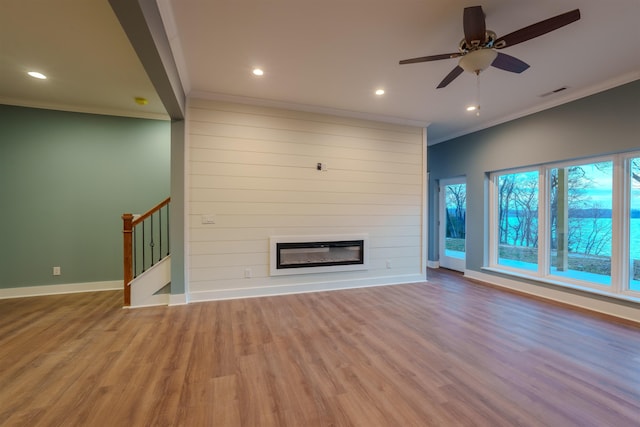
<point x="560" y="89"/>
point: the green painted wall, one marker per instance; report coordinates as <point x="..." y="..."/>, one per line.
<point x="603" y="123"/>
<point x="65" y="180"/>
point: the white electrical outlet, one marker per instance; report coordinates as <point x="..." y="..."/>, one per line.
<point x="388" y="263"/>
<point x="56" y="271"/>
<point x="247" y="273"/>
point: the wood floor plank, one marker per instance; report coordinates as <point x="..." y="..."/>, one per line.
<point x="448" y="352"/>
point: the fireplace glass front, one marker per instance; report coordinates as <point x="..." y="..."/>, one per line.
<point x="316" y="254"/>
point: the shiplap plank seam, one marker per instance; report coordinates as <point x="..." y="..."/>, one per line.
<point x="239" y="159"/>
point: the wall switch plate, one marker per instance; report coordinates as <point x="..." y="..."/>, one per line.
<point x="247" y="273"/>
<point x="209" y="219"/>
<point x="56" y="271"/>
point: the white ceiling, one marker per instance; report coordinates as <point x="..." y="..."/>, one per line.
<point x="80" y="46"/>
<point x="326" y="56"/>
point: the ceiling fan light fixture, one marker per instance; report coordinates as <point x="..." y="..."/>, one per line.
<point x="478" y="60"/>
<point x="37" y="75"/>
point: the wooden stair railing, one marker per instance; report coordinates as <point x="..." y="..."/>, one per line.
<point x="132" y="249"/>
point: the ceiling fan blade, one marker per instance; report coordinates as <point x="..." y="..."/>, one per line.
<point x="537" y="29"/>
<point x="450" y="77"/>
<point x="430" y="58"/>
<point x="509" y="63"/>
<point x="474" y="25"/>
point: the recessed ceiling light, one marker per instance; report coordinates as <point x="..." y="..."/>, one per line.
<point x="471" y="108"/>
<point x="37" y="75"/>
<point x="380" y="92"/>
<point x="258" y="72"/>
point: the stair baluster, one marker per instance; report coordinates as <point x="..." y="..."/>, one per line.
<point x="132" y="247"/>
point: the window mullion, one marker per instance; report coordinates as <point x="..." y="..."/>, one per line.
<point x="620" y="225"/>
<point x="543" y="237"/>
<point x="493" y="221"/>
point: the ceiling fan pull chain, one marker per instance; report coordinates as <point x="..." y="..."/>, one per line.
<point x="477" y="93"/>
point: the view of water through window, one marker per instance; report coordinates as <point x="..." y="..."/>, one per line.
<point x="518" y="220"/>
<point x="634" y="224"/>
<point x="580" y="213"/>
<point x="579" y="209"/>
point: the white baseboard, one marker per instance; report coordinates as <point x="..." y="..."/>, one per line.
<point x="595" y="303"/>
<point x="152" y="301"/>
<point x="264" y="291"/>
<point x="70" y="288"/>
<point x="178" y="299"/>
<point x="162" y="299"/>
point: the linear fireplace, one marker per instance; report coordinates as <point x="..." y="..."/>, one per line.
<point x="315" y="254"/>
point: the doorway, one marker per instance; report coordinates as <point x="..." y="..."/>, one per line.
<point x="453" y="223"/>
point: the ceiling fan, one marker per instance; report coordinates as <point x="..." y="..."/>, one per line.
<point x="477" y="50"/>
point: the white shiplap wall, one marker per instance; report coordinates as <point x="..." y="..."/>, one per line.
<point x="254" y="169"/>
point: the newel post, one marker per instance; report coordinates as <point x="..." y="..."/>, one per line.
<point x="127" y="232"/>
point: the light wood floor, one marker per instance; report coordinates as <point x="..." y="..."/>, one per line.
<point x="443" y="353"/>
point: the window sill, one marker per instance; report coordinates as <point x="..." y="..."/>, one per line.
<point x="563" y="285"/>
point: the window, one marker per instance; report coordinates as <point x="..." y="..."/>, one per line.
<point x="518" y="220"/>
<point x="564" y="223"/>
<point x="580" y="221"/>
<point x="634" y="224"/>
<point x="455" y="210"/>
<point x="453" y="228"/>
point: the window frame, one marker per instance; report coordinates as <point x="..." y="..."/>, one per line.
<point x="624" y="261"/>
<point x="621" y="261"/>
<point x="494" y="244"/>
